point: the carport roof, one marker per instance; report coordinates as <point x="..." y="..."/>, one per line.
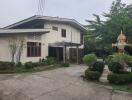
<point x="64" y="44"/>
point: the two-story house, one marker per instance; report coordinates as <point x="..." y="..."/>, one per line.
<point x="44" y="36"/>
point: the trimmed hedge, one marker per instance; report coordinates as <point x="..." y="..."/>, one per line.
<point x="7" y="66"/>
<point x="98" y="66"/>
<point x="30" y="65"/>
<point x="89" y="59"/>
<point x="116" y="67"/>
<point x="120" y="78"/>
<point x="92" y="75"/>
<point x="19" y="64"/>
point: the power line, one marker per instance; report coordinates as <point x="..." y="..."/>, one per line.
<point x="41" y="7"/>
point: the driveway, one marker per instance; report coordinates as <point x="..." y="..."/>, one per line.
<point x="59" y="84"/>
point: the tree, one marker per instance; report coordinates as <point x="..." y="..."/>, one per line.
<point x="13" y="47"/>
<point x="118" y="18"/>
<point x="21" y="43"/>
<point x="16" y="45"/>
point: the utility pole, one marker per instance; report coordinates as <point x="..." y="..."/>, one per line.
<point x="41" y="7"/>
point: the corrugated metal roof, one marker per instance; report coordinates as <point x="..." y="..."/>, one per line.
<point x="72" y="22"/>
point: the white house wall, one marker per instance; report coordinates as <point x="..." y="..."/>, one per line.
<point x="51" y="37"/>
<point x="55" y="36"/>
<point x="4" y="50"/>
<point x="5" y="54"/>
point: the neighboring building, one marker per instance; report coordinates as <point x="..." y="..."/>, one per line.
<point x="44" y="36"/>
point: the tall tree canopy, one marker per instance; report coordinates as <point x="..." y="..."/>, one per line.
<point x="106" y="32"/>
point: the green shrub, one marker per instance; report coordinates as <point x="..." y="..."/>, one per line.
<point x="50" y="61"/>
<point x="89" y="59"/>
<point x="19" y="64"/>
<point x="98" y="66"/>
<point x="42" y="63"/>
<point x="36" y="64"/>
<point x="7" y="66"/>
<point x="65" y="64"/>
<point x="29" y="65"/>
<point x="119" y="57"/>
<point x="92" y="75"/>
<point x="109" y="59"/>
<point x="116" y="67"/>
<point x="120" y="78"/>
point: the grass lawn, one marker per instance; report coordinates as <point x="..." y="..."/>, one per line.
<point x="125" y="88"/>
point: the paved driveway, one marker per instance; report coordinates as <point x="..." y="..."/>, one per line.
<point x="59" y="84"/>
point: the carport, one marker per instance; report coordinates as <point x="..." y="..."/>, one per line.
<point x="64" y="45"/>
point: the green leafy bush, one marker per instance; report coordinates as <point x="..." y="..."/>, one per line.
<point x="116" y="67"/>
<point x="109" y="59"/>
<point x="98" y="66"/>
<point x="42" y="63"/>
<point x="19" y="64"/>
<point x="29" y="65"/>
<point x="89" y="59"/>
<point x="120" y="78"/>
<point x="119" y="57"/>
<point x="65" y="64"/>
<point x="7" y="66"/>
<point x="92" y="75"/>
<point x="50" y="61"/>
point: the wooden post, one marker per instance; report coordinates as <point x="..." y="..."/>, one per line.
<point x="77" y="55"/>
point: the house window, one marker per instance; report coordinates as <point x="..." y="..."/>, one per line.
<point x="33" y="49"/>
<point x="54" y="28"/>
<point x="63" y="33"/>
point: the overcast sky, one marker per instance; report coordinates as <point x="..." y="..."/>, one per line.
<point x="15" y="10"/>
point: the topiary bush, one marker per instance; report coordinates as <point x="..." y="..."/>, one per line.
<point x="109" y="59"/>
<point x="98" y="66"/>
<point x="65" y="64"/>
<point x="119" y="78"/>
<point x="116" y="67"/>
<point x="92" y="75"/>
<point x="89" y="59"/>
<point x="124" y="59"/>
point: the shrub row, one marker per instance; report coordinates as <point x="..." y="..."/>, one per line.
<point x="7" y="66"/>
<point x="120" y="78"/>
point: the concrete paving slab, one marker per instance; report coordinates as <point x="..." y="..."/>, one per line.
<point x="59" y="84"/>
